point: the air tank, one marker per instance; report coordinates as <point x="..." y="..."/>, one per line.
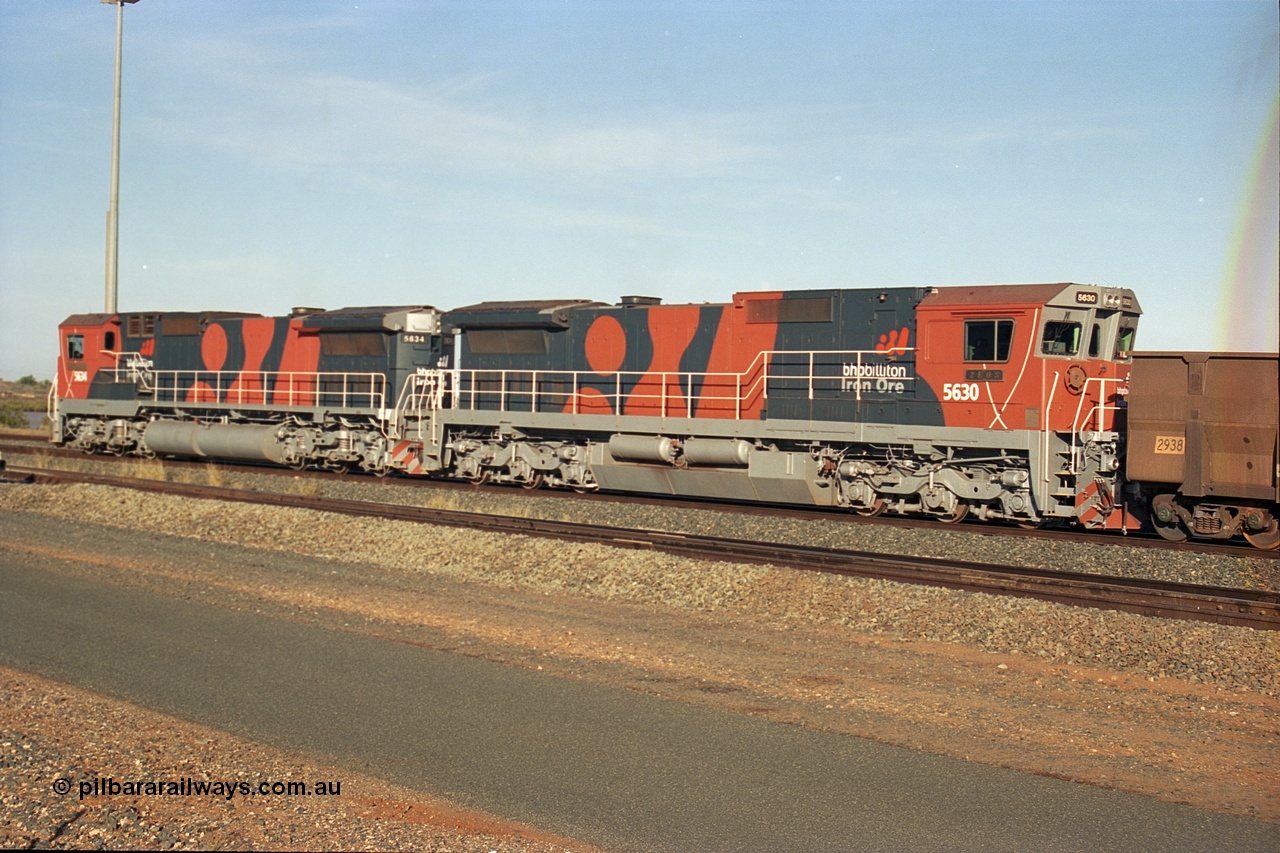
<point x="249" y="442"/>
<point x="717" y="452"/>
<point x="642" y="448"/>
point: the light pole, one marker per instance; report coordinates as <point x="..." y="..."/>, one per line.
<point x="113" y="212"/>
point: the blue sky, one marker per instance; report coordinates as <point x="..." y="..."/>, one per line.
<point x="394" y="152"/>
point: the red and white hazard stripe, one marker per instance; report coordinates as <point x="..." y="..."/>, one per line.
<point x="407" y="456"/>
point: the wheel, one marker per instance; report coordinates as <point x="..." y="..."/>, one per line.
<point x="1031" y="523"/>
<point x="479" y="478"/>
<point x="1165" y="519"/>
<point x="533" y="482"/>
<point x="957" y="514"/>
<point x="1265" y="540"/>
<point x="876" y="508"/>
<point x="343" y="467"/>
<point x="299" y="464"/>
<point x="1173" y="530"/>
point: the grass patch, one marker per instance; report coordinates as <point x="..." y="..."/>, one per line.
<point x="144" y="469"/>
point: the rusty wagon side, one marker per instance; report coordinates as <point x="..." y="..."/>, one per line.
<point x="1204" y="443"/>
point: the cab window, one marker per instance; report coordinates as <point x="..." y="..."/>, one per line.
<point x="1061" y="338"/>
<point x="75" y="347"/>
<point x="1095" y="340"/>
<point x="987" y="340"/>
<point x="1124" y="341"/>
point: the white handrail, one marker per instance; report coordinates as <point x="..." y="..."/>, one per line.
<point x="844" y="368"/>
<point x="278" y="387"/>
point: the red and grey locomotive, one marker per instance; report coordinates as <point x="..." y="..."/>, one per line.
<point x="1000" y="402"/>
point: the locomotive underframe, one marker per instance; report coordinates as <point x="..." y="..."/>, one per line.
<point x="868" y="468"/>
<point x="1025" y="476"/>
<point x="296" y="436"/>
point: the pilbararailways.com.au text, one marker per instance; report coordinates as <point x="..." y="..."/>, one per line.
<point x="189" y="787"/>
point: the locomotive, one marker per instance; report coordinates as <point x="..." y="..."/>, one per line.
<point x="999" y="402"/>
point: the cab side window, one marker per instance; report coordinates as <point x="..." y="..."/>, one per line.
<point x="1061" y="338"/>
<point x="1124" y="342"/>
<point x="987" y="340"/>
<point x="75" y="347"/>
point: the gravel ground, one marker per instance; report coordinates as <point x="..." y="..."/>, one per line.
<point x="1229" y="657"/>
<point x="53" y="736"/>
<point x="1179" y="710"/>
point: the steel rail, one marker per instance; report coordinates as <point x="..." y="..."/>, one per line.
<point x="802" y="513"/>
<point x="1243" y="608"/>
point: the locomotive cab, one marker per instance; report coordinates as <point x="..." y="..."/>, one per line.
<point x="1048" y="366"/>
<point x="1107" y="320"/>
<point x="89" y="343"/>
<point x="87" y="347"/>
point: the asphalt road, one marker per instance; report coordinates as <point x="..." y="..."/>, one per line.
<point x="625" y="771"/>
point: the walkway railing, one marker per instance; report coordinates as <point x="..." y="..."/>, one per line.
<point x="811" y="374"/>
<point x="276" y="388"/>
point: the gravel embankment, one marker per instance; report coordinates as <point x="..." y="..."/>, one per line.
<point x="964" y="542"/>
<point x="1231" y="658"/>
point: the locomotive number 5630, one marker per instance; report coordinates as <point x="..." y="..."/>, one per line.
<point x="961" y="391"/>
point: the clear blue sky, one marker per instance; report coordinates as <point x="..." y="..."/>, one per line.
<point x="395" y="152"/>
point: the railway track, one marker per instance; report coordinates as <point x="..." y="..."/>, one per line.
<point x="26" y="443"/>
<point x="1237" y="607"/>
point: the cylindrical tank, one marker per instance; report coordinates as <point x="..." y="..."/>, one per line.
<point x="172" y="437"/>
<point x="717" y="452"/>
<point x="642" y="448"/>
<point x="250" y="442"/>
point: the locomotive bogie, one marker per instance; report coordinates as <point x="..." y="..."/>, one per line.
<point x="117" y="436"/>
<point x="1177" y="517"/>
<point x="515" y="459"/>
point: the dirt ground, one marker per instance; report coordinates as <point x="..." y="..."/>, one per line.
<point x="51" y="734"/>
<point x="1166" y="738"/>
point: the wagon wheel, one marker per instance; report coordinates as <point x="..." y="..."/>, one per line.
<point x="533" y="482"/>
<point x="1265" y="540"/>
<point x="875" y="508"/>
<point x="957" y="514"/>
<point x="1172" y="530"/>
<point x="1165" y="519"/>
